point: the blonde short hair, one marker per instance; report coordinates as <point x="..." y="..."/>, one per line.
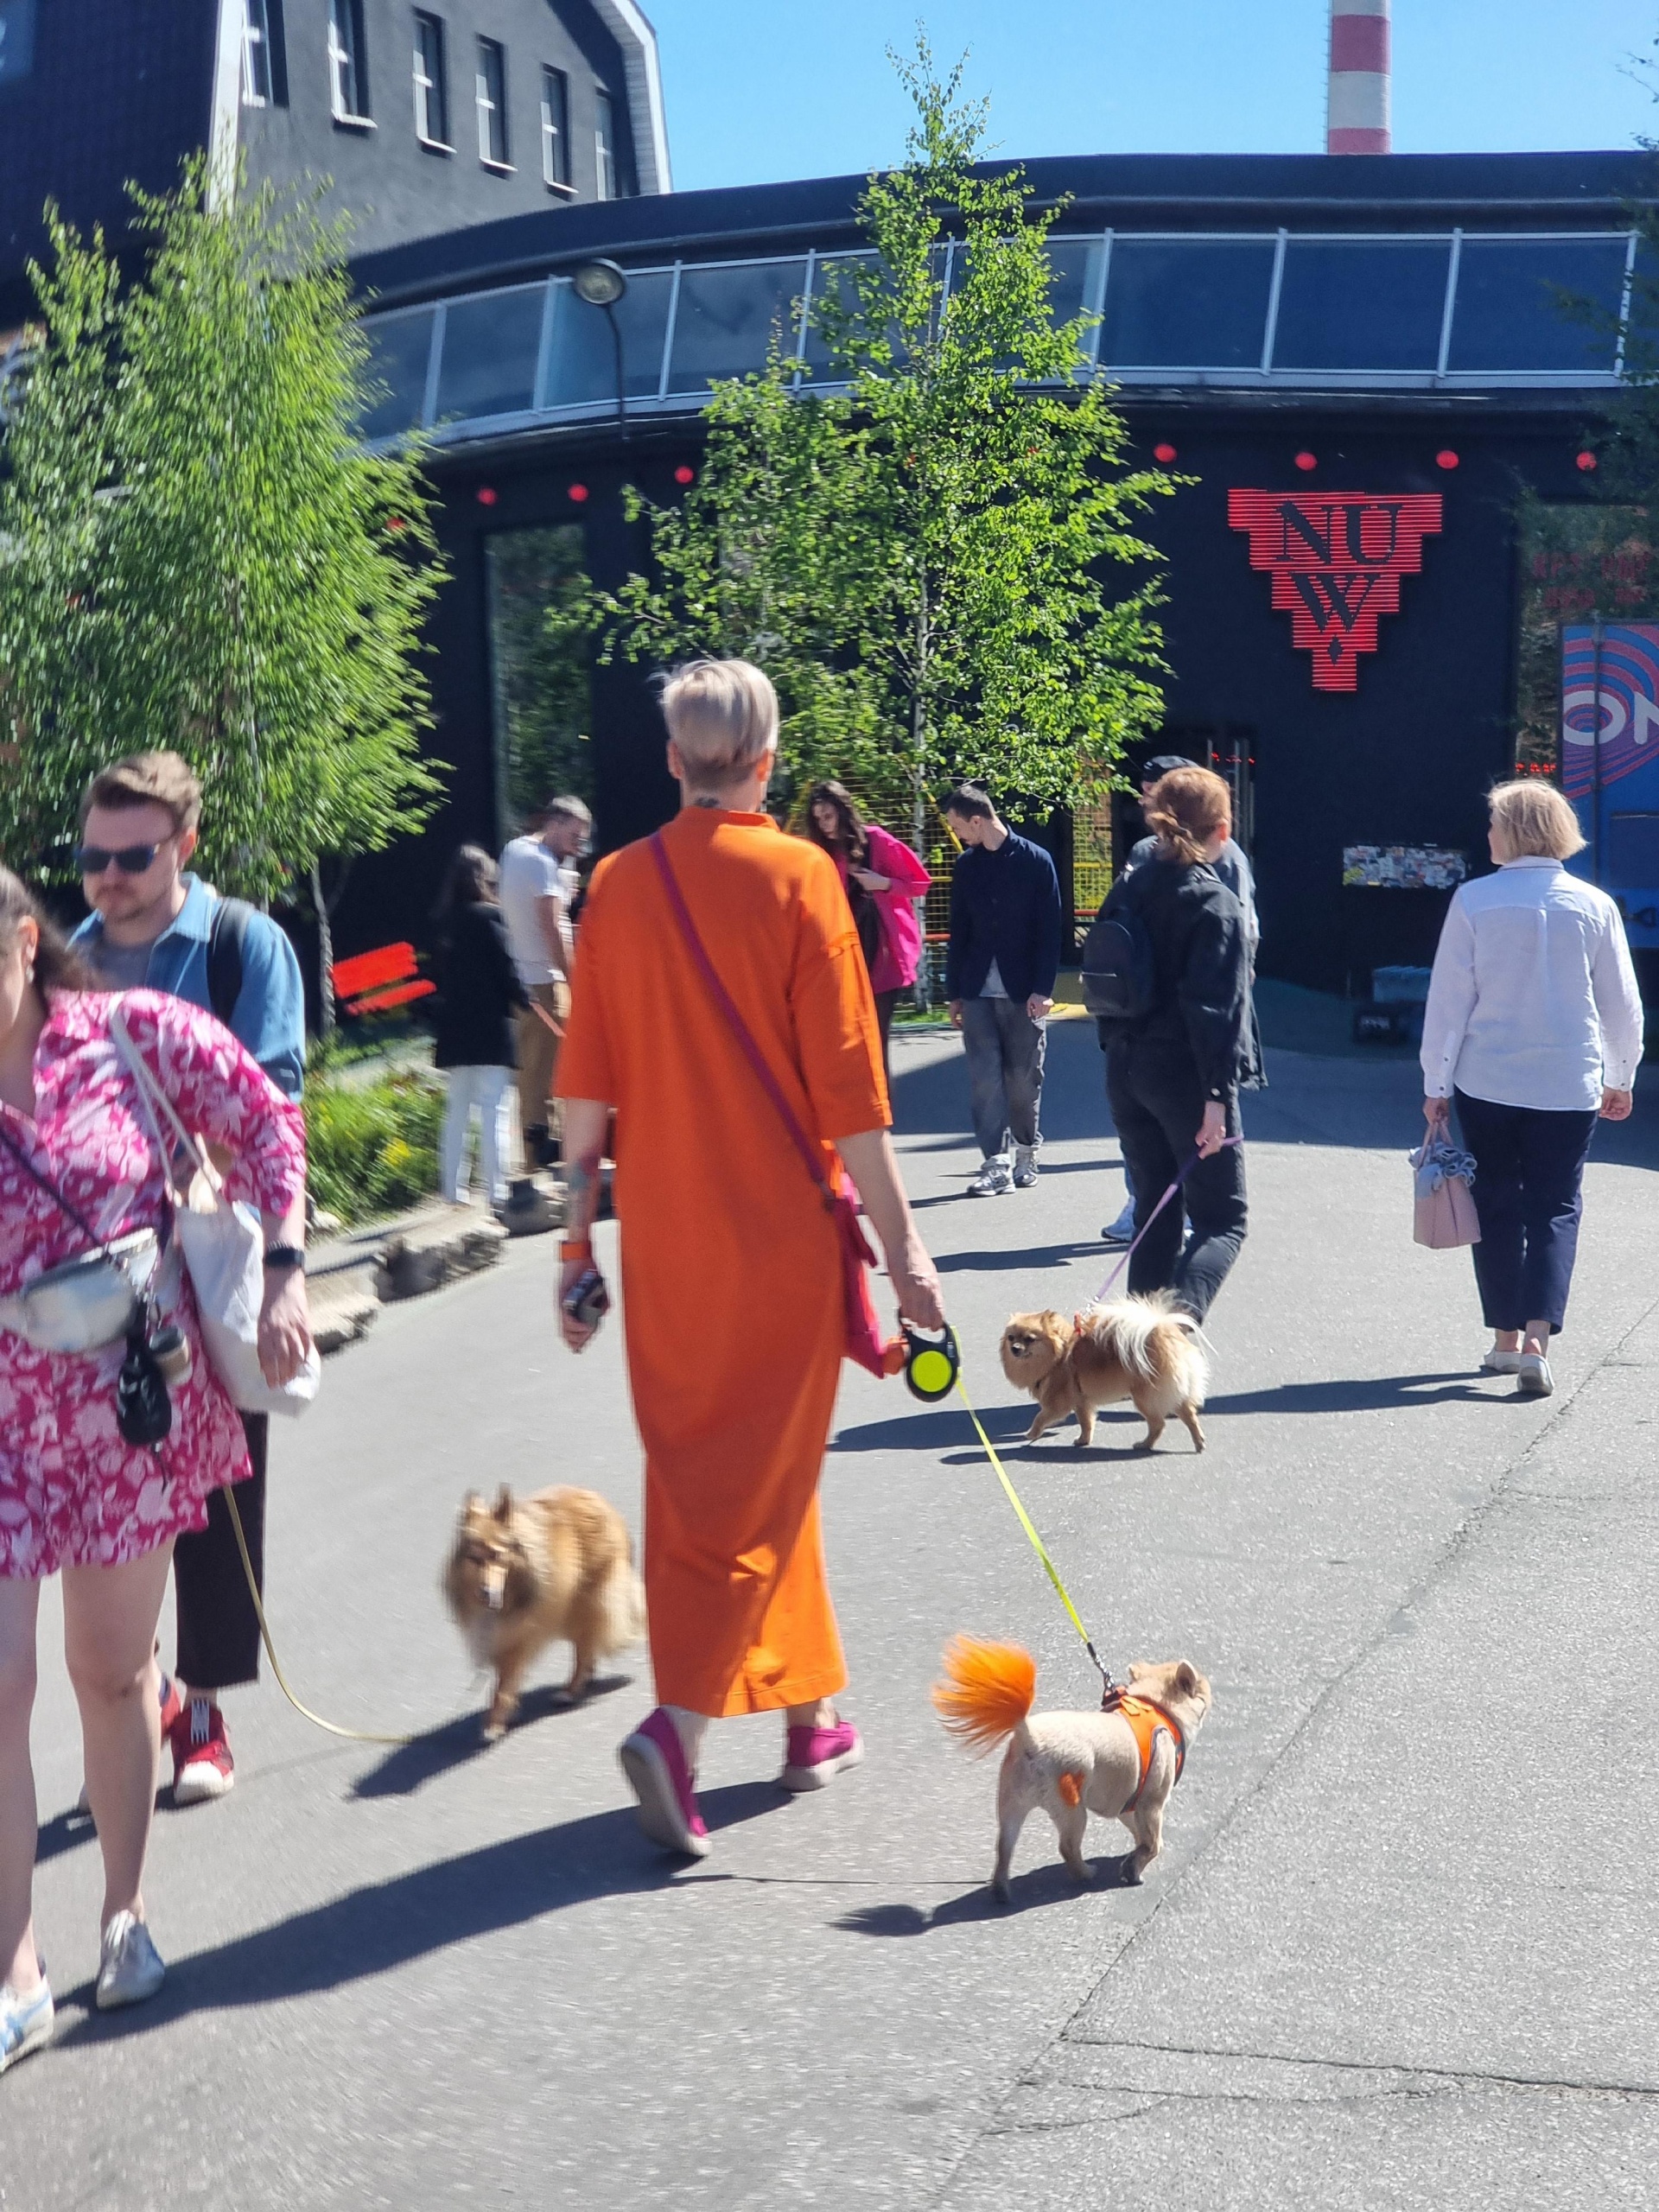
<point x="1535" y="820"/>
<point x="723" y="716"/>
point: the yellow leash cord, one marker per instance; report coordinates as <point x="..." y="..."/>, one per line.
<point x="1037" y="1543"/>
<point x="353" y="1735"/>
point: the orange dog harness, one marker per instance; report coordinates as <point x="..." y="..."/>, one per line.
<point x="1146" y="1722"/>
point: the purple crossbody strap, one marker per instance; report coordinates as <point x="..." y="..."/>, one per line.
<point x="722" y="998"/>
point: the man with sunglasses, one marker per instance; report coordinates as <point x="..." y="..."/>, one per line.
<point x="154" y="925"/>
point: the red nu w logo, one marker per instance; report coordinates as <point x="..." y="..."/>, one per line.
<point x="1336" y="559"/>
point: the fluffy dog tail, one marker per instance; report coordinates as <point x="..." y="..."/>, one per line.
<point x="988" y="1690"/>
<point x="623" y="1598"/>
<point x="1154" y="1339"/>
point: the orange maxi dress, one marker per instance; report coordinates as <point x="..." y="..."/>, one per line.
<point x="731" y="1270"/>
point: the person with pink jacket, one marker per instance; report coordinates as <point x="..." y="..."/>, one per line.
<point x="883" y="880"/>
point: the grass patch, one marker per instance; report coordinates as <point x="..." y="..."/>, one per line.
<point x="373" y="1147"/>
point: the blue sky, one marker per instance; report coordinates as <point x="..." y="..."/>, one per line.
<point x="759" y="89"/>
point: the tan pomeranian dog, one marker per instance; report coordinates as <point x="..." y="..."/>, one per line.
<point x="559" y="1564"/>
<point x="1121" y="1762"/>
<point x="1142" y="1348"/>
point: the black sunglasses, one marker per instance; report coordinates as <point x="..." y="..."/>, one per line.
<point x="131" y="860"/>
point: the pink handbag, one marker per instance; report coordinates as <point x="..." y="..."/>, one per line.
<point x="1444" y="1213"/>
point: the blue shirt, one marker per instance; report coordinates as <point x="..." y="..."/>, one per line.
<point x="268" y="1016"/>
<point x="1005" y="906"/>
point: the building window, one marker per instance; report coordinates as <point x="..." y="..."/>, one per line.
<point x="492" y="104"/>
<point x="348" y="83"/>
<point x="604" y="144"/>
<point x="256" y="55"/>
<point x="431" y="82"/>
<point x="556" y="129"/>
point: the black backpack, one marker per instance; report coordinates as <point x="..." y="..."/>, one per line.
<point x="1118" y="979"/>
<point x="224" y="942"/>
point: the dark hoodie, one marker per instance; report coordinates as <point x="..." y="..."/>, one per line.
<point x="1201" y="971"/>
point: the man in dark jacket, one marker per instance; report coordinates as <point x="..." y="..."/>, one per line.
<point x="998" y="978"/>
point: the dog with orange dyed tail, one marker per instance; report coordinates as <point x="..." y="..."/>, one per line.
<point x="1121" y="1762"/>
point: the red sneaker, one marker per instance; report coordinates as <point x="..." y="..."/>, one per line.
<point x="202" y="1766"/>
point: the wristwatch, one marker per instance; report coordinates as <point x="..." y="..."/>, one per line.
<point x="285" y="1256"/>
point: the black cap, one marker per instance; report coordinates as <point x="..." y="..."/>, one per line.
<point x="1165" y="765"/>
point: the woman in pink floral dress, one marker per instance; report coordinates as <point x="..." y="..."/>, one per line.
<point x="74" y="1496"/>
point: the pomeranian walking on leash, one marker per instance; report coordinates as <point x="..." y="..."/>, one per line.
<point x="1147" y="1349"/>
<point x="523" y="1572"/>
<point x="1121" y="1762"/>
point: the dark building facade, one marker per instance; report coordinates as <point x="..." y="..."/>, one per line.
<point x="426" y="119"/>
<point x="1363" y="362"/>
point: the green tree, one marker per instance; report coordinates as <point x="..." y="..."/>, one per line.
<point x="196" y="551"/>
<point x="933" y="549"/>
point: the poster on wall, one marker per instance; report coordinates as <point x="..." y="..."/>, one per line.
<point x="1609" y="761"/>
<point x="1336" y="559"/>
<point x="1402" y="868"/>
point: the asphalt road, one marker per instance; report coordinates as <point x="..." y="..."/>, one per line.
<point x="1401" y="1947"/>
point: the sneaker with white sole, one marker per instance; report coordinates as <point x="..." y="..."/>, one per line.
<point x="202" y="1766"/>
<point x="653" y="1759"/>
<point x="1025" y="1167"/>
<point x="993" y="1180"/>
<point x="1501" y="1362"/>
<point x="1532" y="1378"/>
<point x="130" y="1967"/>
<point x="25" y="2022"/>
<point x="813" y="1757"/>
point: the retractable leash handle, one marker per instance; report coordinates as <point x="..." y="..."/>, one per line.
<point x="932" y="1362"/>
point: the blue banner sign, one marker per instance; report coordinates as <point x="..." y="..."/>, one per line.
<point x="1610" y="762"/>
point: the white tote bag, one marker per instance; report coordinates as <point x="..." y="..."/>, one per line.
<point x="224" y="1249"/>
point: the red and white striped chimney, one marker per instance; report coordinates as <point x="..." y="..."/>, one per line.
<point x="1357" y="103"/>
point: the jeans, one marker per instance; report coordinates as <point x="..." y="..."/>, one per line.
<point x="1005" y="1050"/>
<point x="1158" y="1102"/>
<point x="486" y="1088"/>
<point x="1529" y="1164"/>
<point x="218" y="1627"/>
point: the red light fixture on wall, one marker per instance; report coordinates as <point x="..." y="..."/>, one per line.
<point x="487" y="495"/>
<point x="1163" y="454"/>
<point x="1587" y="461"/>
<point x="578" y="492"/>
<point x="685" y="473"/>
<point x="1306" y="459"/>
<point x="1445" y="458"/>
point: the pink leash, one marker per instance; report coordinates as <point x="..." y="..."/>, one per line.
<point x="1153" y="1215"/>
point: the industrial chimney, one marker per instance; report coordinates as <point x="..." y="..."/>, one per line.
<point x="1357" y="103"/>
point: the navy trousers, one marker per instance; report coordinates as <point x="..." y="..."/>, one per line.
<point x="1529" y="1164"/>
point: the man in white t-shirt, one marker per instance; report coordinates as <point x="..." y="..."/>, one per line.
<point x="539" y="881"/>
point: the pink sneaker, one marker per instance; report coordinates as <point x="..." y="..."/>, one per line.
<point x="653" y="1759"/>
<point x="816" y="1755"/>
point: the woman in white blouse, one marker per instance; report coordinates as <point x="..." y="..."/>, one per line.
<point x="1534" y="1024"/>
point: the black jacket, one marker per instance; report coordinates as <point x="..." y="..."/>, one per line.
<point x="1005" y="906"/>
<point x="479" y="991"/>
<point x="1201" y="971"/>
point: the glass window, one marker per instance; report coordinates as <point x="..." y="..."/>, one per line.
<point x="1515" y="303"/>
<point x="348" y="82"/>
<point x="555" y="127"/>
<point x="604" y="145"/>
<point x="431" y="82"/>
<point x="831" y="288"/>
<point x="492" y="103"/>
<point x="1186" y="303"/>
<point x="490" y="347"/>
<point x="543" y="694"/>
<point x="726" y="317"/>
<point x="582" y="369"/>
<point x="399" y="348"/>
<point x="16" y="39"/>
<point x="1075" y="264"/>
<point x="1362" y="303"/>
<point x="255" y="55"/>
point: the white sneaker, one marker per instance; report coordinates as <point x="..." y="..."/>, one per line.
<point x="1532" y="1377"/>
<point x="25" y="2022"/>
<point x="993" y="1178"/>
<point x="1025" y="1167"/>
<point x="1501" y="1362"/>
<point x="131" y="1970"/>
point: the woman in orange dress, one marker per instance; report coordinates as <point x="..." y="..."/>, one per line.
<point x="731" y="1264"/>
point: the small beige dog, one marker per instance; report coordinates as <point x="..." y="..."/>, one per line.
<point x="1121" y="1762"/>
<point x="1146" y="1349"/>
<point x="559" y="1564"/>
